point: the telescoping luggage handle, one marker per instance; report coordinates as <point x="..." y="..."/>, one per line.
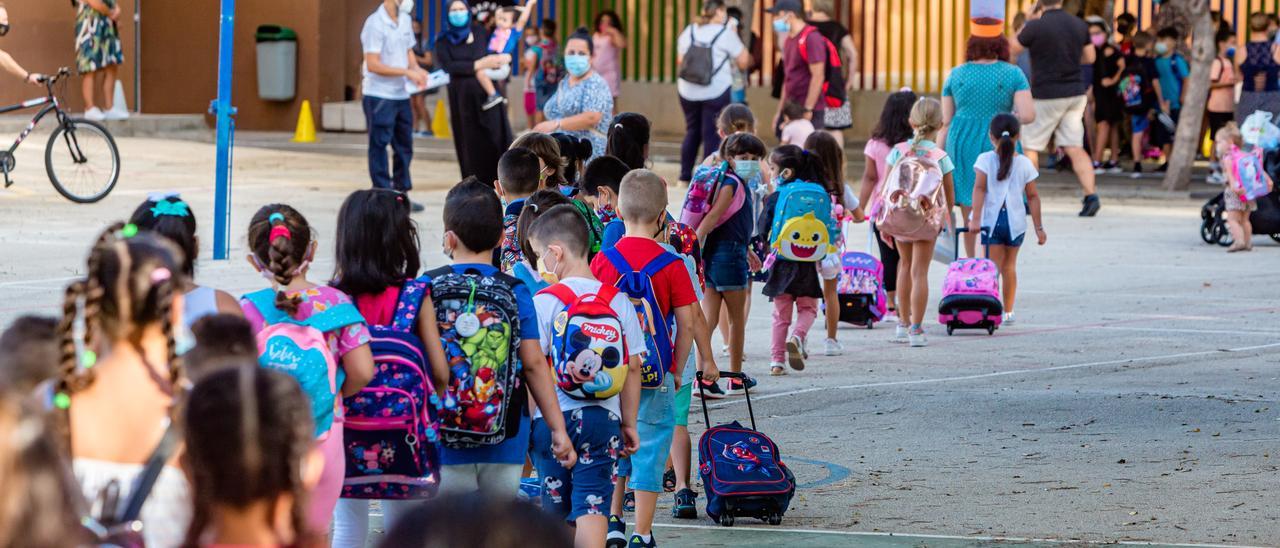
<point x="745" y="389"/>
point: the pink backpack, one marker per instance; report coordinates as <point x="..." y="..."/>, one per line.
<point x="1249" y="176"/>
<point x="911" y="201"/>
<point x="701" y="197"/>
<point x="972" y="277"/>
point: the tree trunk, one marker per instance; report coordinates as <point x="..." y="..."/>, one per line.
<point x="1187" y="140"/>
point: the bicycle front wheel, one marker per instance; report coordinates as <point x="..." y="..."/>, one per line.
<point x="82" y="160"/>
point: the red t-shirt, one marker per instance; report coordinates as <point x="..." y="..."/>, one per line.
<point x="671" y="286"/>
<point x="796" y="70"/>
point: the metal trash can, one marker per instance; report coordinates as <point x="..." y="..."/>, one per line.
<point x="277" y="62"/>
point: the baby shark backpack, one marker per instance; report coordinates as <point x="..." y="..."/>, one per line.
<point x="803" y="229"/>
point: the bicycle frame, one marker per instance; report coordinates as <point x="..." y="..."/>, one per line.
<point x="50" y="103"/>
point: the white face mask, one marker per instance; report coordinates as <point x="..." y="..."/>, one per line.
<point x="406" y="7"/>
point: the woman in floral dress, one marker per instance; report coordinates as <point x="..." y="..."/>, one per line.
<point x="98" y="50"/>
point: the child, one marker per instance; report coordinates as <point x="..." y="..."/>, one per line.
<point x="169" y="216"/>
<point x="668" y="293"/>
<point x="727" y="239"/>
<point x="893" y="128"/>
<point x="574" y="152"/>
<point x="518" y="178"/>
<point x="913" y="268"/>
<point x="221" y="340"/>
<point x="505" y="40"/>
<point x="1108" y="106"/>
<point x="600" y="183"/>
<point x="1221" y="104"/>
<point x="790" y="283"/>
<point x="795" y="127"/>
<point x="1142" y="92"/>
<point x="548" y="68"/>
<point x="629" y="139"/>
<point x="602" y="428"/>
<point x="1172" y="70"/>
<point x="283" y="248"/>
<point x="249" y="453"/>
<point x="43" y="505"/>
<point x="377" y="259"/>
<point x="830" y="156"/>
<point x="28" y="354"/>
<point x="537" y="204"/>
<point x="735" y="118"/>
<point x="483" y="416"/>
<point x="1003" y="177"/>
<point x="115" y="396"/>
<point x="1228" y="141"/>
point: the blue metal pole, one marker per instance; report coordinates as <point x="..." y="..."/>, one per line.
<point x="223" y="110"/>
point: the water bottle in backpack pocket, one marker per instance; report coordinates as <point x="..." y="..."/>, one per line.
<point x="588" y="353"/>
<point x="478" y="317"/>
<point x="657" y="327"/>
<point x="803" y="228"/>
<point x="390" y="435"/>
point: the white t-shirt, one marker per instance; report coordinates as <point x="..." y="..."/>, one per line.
<point x="548" y="307"/>
<point x="1006" y="193"/>
<point x="796" y="132"/>
<point x="391" y="40"/>
<point x="723" y="52"/>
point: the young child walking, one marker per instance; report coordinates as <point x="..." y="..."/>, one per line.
<point x="1235" y="196"/>
<point x="601" y="181"/>
<point x="526" y="269"/>
<point x="795" y="127"/>
<point x="830" y="155"/>
<point x="894" y="127"/>
<point x="250" y="455"/>
<point x="594" y="343"/>
<point x="519" y="171"/>
<point x="659" y="286"/>
<point x="917" y="252"/>
<point x="312" y="332"/>
<point x="489" y="329"/>
<point x="1002" y="178"/>
<point x="1221" y="105"/>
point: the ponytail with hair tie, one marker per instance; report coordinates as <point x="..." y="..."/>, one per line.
<point x="1003" y="128"/>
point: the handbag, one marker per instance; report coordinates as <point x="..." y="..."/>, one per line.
<point x="121" y="526"/>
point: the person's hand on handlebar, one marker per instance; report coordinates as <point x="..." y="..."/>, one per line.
<point x="36" y="79"/>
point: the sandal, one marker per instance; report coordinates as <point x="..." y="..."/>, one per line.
<point x="777" y="371"/>
<point x="669" y="480"/>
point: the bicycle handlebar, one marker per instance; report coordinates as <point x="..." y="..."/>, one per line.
<point x="50" y="79"/>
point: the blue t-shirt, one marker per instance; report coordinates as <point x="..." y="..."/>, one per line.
<point x="737" y="229"/>
<point x="613" y="231"/>
<point x="511" y="451"/>
<point x="1172" y="70"/>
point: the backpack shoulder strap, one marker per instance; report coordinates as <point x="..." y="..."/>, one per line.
<point x="619" y="262"/>
<point x="150" y="474"/>
<point x="606" y="294"/>
<point x="658" y="263"/>
<point x="265" y="301"/>
<point x="335" y="317"/>
<point x="408" y="305"/>
<point x="802" y="46"/>
<point x="561" y="292"/>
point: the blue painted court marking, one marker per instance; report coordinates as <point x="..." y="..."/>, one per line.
<point x="835" y="472"/>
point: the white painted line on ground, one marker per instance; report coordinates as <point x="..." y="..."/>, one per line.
<point x="942" y="537"/>
<point x="1157" y="329"/>
<point x="940" y="380"/>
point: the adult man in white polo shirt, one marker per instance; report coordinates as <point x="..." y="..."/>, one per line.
<point x="387" y="41"/>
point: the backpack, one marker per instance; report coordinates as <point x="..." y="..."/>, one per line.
<point x="509" y="250"/>
<point x="1250" y="178"/>
<point x="301" y="349"/>
<point x="550" y="63"/>
<point x="685" y="240"/>
<point x="698" y="64"/>
<point x="595" y="229"/>
<point x="390" y="433"/>
<point x="911" y="202"/>
<point x="803" y="229"/>
<point x="706" y="182"/>
<point x="479" y="321"/>
<point x="657" y="327"/>
<point x="588" y="352"/>
<point x="833" y="85"/>
<point x="1130" y="90"/>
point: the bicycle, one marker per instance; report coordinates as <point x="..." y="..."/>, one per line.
<point x="81" y="157"/>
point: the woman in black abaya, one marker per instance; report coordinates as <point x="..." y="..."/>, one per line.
<point x="479" y="136"/>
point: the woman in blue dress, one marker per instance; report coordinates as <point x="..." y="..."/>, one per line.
<point x="984" y="86"/>
<point x="583" y="104"/>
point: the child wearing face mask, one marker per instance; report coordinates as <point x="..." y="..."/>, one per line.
<point x="505" y="40"/>
<point x="600" y="184"/>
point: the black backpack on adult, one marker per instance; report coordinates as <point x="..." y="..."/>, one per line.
<point x="698" y="66"/>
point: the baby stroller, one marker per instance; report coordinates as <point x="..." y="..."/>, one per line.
<point x="1266" y="220"/>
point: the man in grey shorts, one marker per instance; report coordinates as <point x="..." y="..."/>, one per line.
<point x="1058" y="43"/>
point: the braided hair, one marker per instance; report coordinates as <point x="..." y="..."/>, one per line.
<point x="280" y="238"/>
<point x="248" y="433"/>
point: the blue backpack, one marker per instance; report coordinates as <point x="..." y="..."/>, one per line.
<point x="391" y="437"/>
<point x="301" y="349"/>
<point x="638" y="285"/>
<point x="803" y="229"/>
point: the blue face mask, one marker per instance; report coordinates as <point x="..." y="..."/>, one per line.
<point x="459" y="18"/>
<point x="781" y="26"/>
<point x="577" y="65"/>
<point x="1231" y="52"/>
<point x="747" y="169"/>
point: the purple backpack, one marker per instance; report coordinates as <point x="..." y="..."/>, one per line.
<point x="391" y="437"/>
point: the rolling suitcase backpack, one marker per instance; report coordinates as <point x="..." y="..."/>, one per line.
<point x="742" y="470"/>
<point x="860" y="287"/>
<point x="971" y="295"/>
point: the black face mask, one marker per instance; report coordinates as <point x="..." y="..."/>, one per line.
<point x="4" y="29"/>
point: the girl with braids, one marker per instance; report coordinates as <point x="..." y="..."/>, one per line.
<point x="251" y="460"/>
<point x="118" y="383"/>
<point x="1002" y="178"/>
<point x="312" y="332"/>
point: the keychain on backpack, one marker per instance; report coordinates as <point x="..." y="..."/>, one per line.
<point x="467" y="323"/>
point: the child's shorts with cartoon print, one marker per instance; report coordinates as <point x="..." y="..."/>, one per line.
<point x="587" y="489"/>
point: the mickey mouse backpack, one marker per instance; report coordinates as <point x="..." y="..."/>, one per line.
<point x="588" y="353"/>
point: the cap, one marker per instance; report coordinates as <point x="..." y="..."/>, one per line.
<point x="793" y="6"/>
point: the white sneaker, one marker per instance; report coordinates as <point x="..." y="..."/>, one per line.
<point x="116" y="114"/>
<point x="94" y="115"/>
<point x="899" y="334"/>
<point x="795" y="353"/>
<point x="917" y="340"/>
<point x="1008" y="319"/>
<point x="833" y="348"/>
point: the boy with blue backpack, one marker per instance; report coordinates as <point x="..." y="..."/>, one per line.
<point x="489" y="330"/>
<point x="664" y="299"/>
<point x="594" y="343"/>
<point x="600" y="183"/>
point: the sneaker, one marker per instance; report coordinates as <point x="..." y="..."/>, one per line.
<point x="493" y="101"/>
<point x="890" y="316"/>
<point x="1137" y="170"/>
<point x="1098" y="169"/>
<point x="669" y="480"/>
<point x="724" y="351"/>
<point x="737" y="387"/>
<point x="832" y="347"/>
<point x="899" y="334"/>
<point x="1216" y="178"/>
<point x="94" y="114"/>
<point x="1091" y="206"/>
<point x="416" y="207"/>
<point x="1008" y="319"/>
<point x="916" y="338"/>
<point x="795" y="353"/>
<point x="710" y="391"/>
<point x="617" y="533"/>
<point x="686" y="505"/>
<point x="115" y="115"/>
<point x="1113" y="167"/>
<point x="637" y="542"/>
<point x="777" y="369"/>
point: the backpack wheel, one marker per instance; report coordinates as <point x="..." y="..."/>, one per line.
<point x="775" y="519"/>
<point x="1206" y="232"/>
<point x="726" y="519"/>
<point x="991" y="330"/>
<point x="871" y="324"/>
<point x="950" y="329"/>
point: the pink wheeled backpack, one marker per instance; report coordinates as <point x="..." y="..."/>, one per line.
<point x="971" y="296"/>
<point x="863" y="301"/>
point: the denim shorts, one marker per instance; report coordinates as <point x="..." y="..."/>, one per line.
<point x="1000" y="234"/>
<point x="656" y="423"/>
<point x="587" y="489"/>
<point x="726" y="265"/>
<point x="1139" y="122"/>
